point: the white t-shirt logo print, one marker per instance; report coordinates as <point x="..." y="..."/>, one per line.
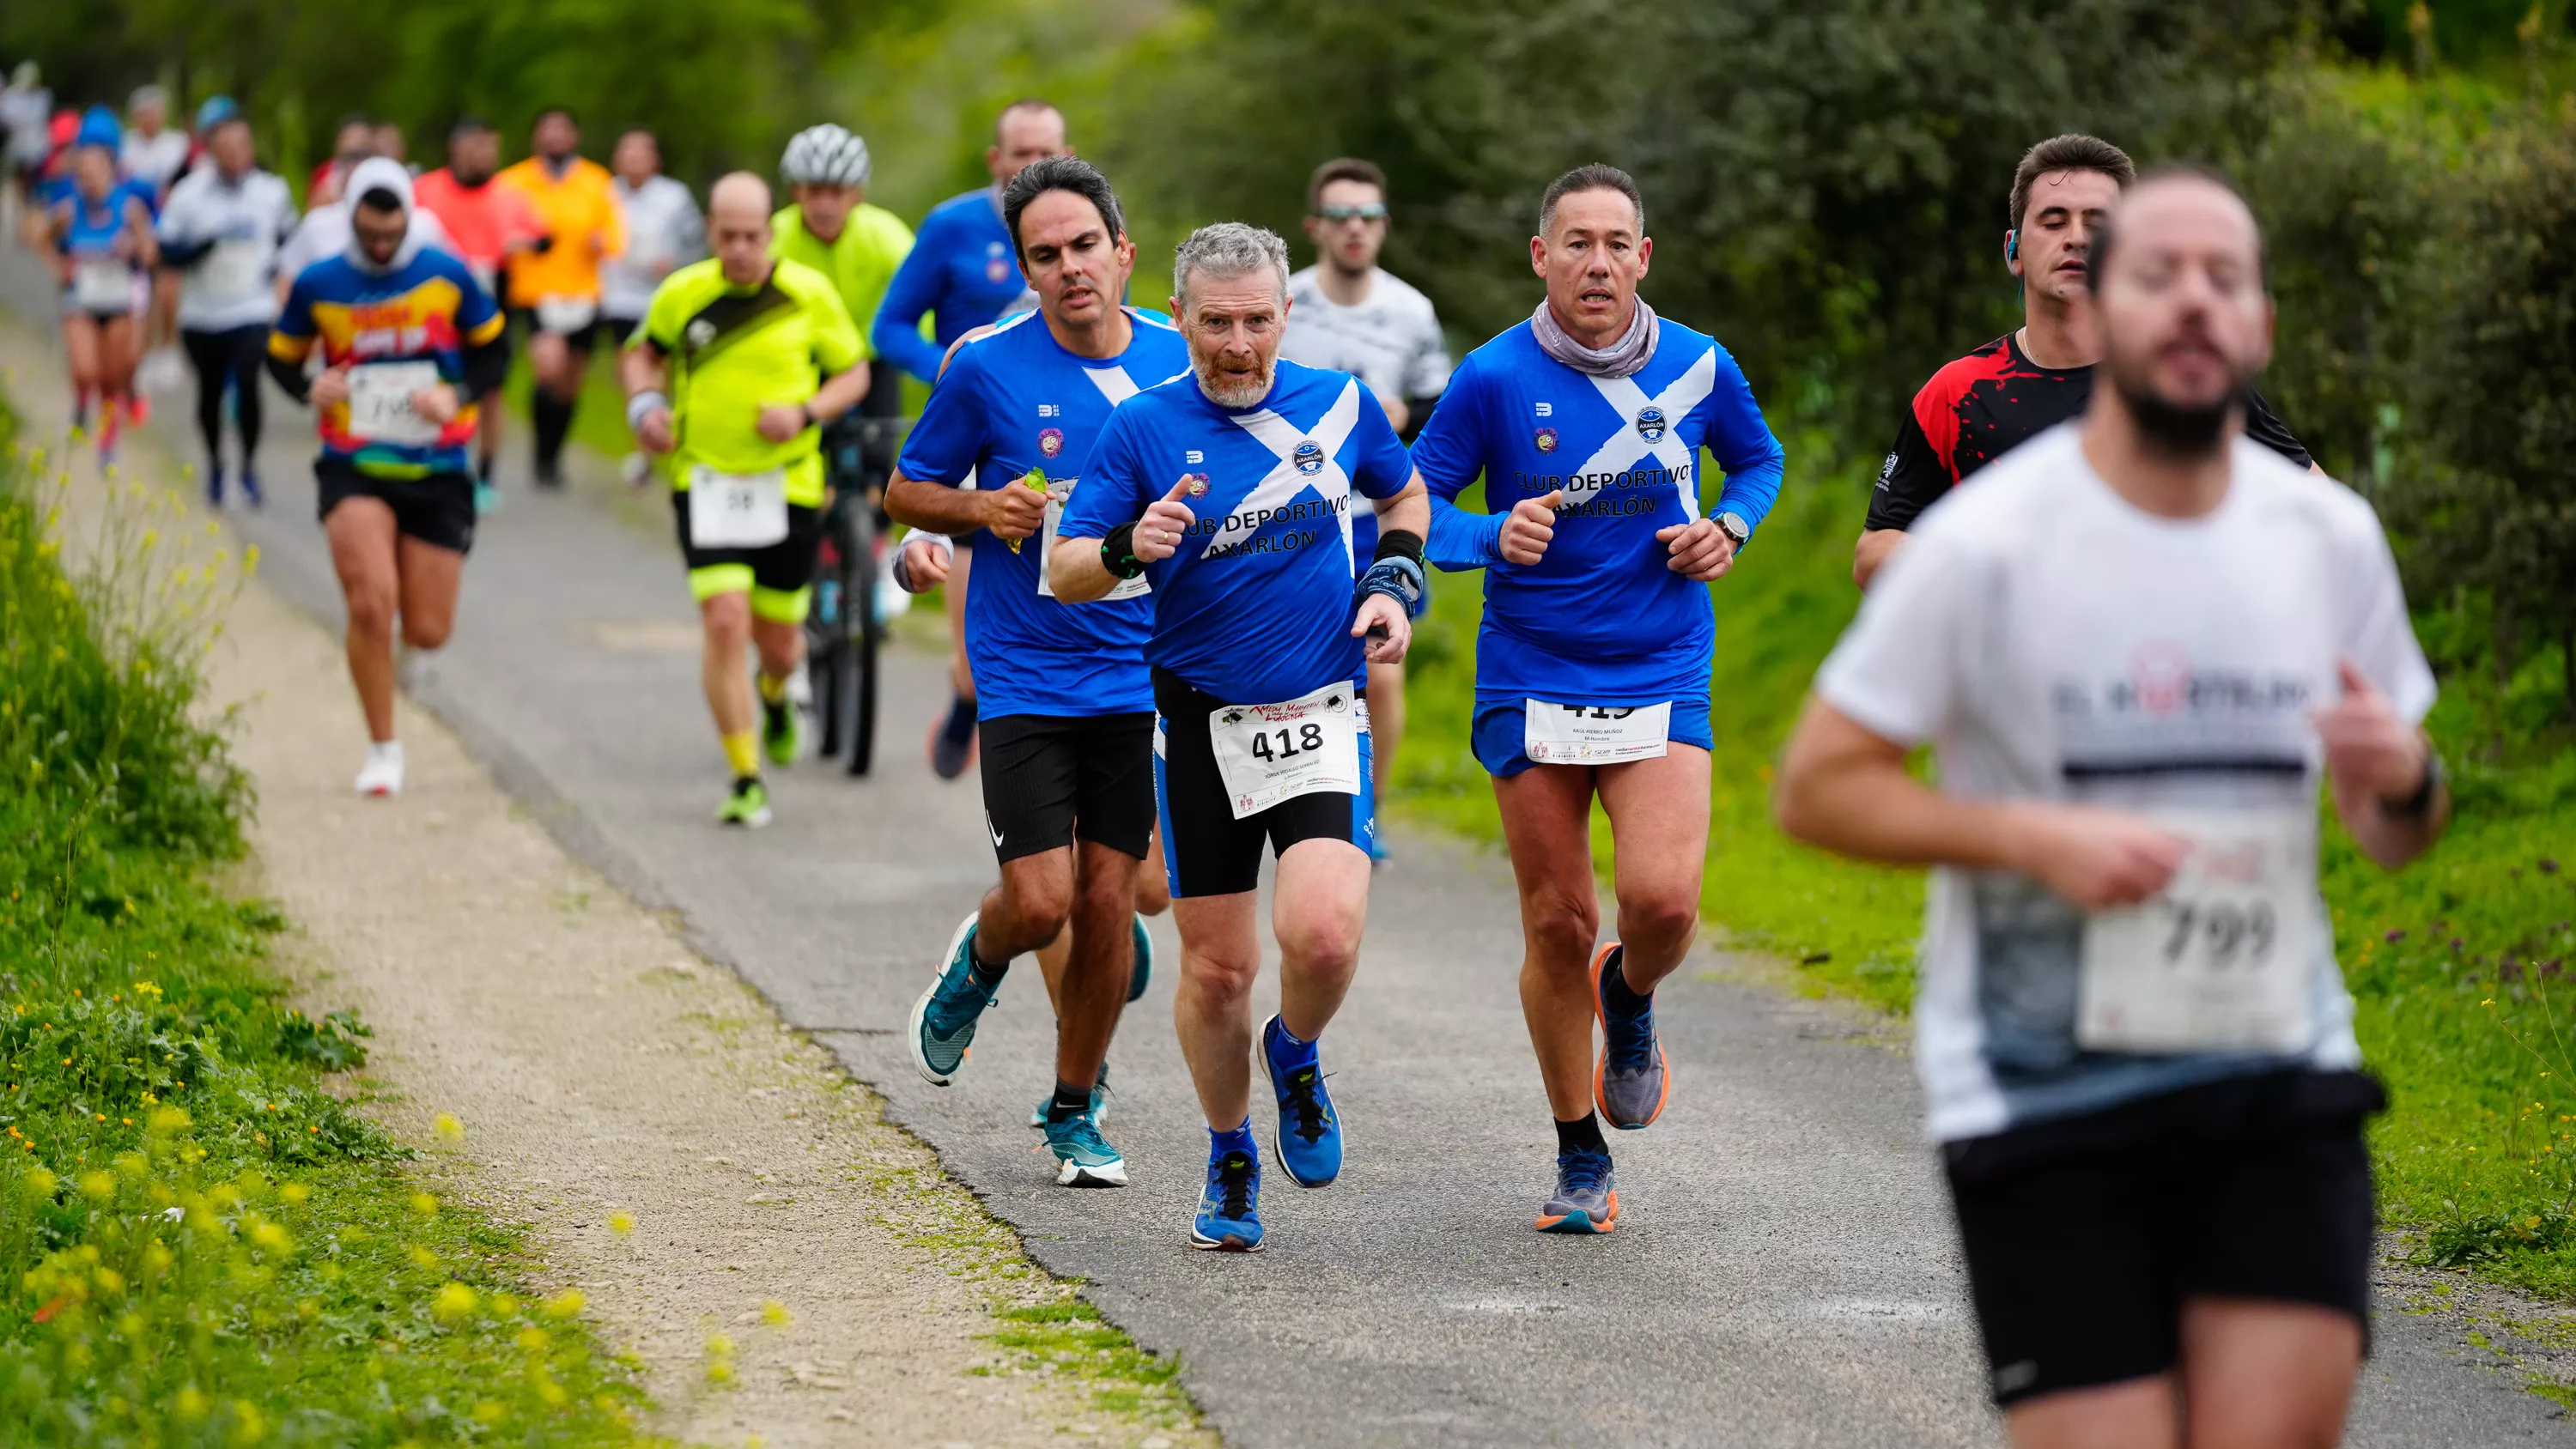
<point x="1287" y="479"/>
<point x="1628" y="446"/>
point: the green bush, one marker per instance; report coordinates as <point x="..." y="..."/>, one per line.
<point x="199" y="1243"/>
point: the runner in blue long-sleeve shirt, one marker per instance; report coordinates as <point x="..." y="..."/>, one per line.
<point x="963" y="274"/>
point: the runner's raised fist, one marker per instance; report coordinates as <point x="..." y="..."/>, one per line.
<point x="1529" y="528"/>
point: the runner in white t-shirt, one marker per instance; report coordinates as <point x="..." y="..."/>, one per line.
<point x="2140" y="645"/>
<point x="1347" y="315"/>
<point x="220" y="233"/>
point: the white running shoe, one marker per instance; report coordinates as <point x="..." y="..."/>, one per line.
<point x="383" y="772"/>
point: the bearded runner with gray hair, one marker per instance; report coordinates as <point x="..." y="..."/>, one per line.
<point x="1229" y="487"/>
<point x="1592" y="668"/>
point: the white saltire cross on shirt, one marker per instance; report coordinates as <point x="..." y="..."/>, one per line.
<point x="1284" y="482"/>
<point x="1626" y="446"/>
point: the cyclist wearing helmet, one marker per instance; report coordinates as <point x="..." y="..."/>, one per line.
<point x="831" y="227"/>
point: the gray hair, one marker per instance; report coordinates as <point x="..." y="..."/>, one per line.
<point x="1229" y="249"/>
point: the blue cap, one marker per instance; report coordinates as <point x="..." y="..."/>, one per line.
<point x="99" y="127"/>
<point x="216" y="111"/>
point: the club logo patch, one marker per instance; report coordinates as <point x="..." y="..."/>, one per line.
<point x="1051" y="441"/>
<point x="1309" y="456"/>
<point x="1650" y="424"/>
<point x="701" y="332"/>
<point x="1546" y="440"/>
<point x="1198" y="484"/>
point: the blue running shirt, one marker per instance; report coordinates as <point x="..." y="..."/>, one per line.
<point x="1600" y="619"/>
<point x="1012" y="400"/>
<point x="1255" y="608"/>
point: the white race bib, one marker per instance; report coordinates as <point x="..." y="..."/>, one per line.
<point x="1059" y="495"/>
<point x="737" y="510"/>
<point x="1273" y="752"/>
<point x="380" y="409"/>
<point x="103" y="284"/>
<point x="2223" y="960"/>
<point x="233" y="269"/>
<point x="1583" y="734"/>
<point x="565" y="315"/>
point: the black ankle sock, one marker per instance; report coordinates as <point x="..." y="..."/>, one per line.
<point x="1614" y="988"/>
<point x="1583" y="1134"/>
<point x="984" y="973"/>
<point x="1070" y="1102"/>
<point x="961" y="719"/>
<point x="553" y="417"/>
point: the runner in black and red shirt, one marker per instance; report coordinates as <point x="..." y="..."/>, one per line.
<point x="1983" y="405"/>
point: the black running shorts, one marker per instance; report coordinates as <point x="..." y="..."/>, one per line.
<point x="1206" y="851"/>
<point x="437" y="509"/>
<point x="2084" y="1236"/>
<point x="1050" y="779"/>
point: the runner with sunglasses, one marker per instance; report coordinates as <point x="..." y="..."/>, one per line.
<point x="1347" y="315"/>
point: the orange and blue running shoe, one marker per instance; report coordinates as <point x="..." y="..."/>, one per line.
<point x="1630" y="1084"/>
<point x="1586" y="1198"/>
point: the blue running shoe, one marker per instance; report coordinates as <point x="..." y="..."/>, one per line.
<point x="215" y="488"/>
<point x="1141" y="975"/>
<point x="1310" y="1131"/>
<point x="1229" y="1219"/>
<point x="1100" y="1100"/>
<point x="1587" y="1198"/>
<point x="943" y="1020"/>
<point x="1083" y="1157"/>
<point x="1631" y="1083"/>
<point x="251" y="491"/>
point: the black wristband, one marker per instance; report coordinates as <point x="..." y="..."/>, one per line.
<point x="2419" y="804"/>
<point x="1118" y="552"/>
<point x="1399" y="543"/>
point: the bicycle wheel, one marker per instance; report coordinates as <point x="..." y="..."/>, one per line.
<point x="866" y="634"/>
<point x="827" y="649"/>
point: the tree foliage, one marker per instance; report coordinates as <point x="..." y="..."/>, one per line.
<point x="1825" y="179"/>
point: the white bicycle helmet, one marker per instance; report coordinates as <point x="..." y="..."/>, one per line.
<point x="825" y="155"/>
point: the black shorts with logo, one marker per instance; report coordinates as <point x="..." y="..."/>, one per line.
<point x="1206" y="851"/>
<point x="437" y="509"/>
<point x="2084" y="1236"/>
<point x="1050" y="779"/>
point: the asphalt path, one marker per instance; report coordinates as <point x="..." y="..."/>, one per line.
<point x="1784" y="1271"/>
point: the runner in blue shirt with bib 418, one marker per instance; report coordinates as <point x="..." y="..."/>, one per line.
<point x="1229" y="489"/>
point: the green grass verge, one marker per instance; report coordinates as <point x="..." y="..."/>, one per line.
<point x="199" y="1243"/>
<point x="2456" y="963"/>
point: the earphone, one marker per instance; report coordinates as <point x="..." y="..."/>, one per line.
<point x="2012" y="246"/>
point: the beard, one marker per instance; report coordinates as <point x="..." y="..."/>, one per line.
<point x="1231" y="389"/>
<point x="471" y="180"/>
<point x="2183" y="432"/>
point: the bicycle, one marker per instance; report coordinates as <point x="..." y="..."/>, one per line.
<point x="843" y="633"/>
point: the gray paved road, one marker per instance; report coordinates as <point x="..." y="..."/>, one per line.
<point x="1783" y="1274"/>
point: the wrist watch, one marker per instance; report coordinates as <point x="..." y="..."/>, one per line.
<point x="1735" y="528"/>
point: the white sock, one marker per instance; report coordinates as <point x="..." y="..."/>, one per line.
<point x="387" y="750"/>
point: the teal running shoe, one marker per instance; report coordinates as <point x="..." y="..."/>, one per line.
<point x="1309" y="1144"/>
<point x="1229" y="1219"/>
<point x="1083" y="1157"/>
<point x="943" y="1020"/>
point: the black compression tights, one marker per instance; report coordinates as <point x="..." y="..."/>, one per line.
<point x="233" y="355"/>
